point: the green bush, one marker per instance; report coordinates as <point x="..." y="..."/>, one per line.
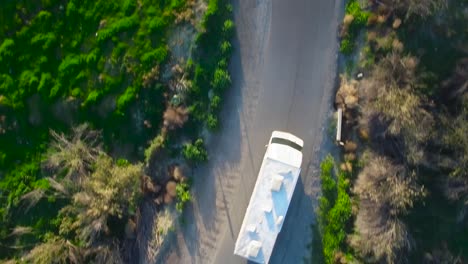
<point x="360" y="17"/>
<point x="125" y="99"/>
<point x="183" y="195"/>
<point x="154" y="57"/>
<point x="347" y="46"/>
<point x="336" y="220"/>
<point x="46" y="82"/>
<point x="215" y="103"/>
<point x="221" y="80"/>
<point x="212" y="122"/>
<point x="334" y="209"/>
<point x="226" y="48"/>
<point x="6" y="49"/>
<point x="195" y="152"/>
<point x="228" y="28"/>
<point x="69" y="65"/>
<point x="156" y="144"/>
<point x="326" y="178"/>
<point x="360" y="20"/>
<point x="120" y="25"/>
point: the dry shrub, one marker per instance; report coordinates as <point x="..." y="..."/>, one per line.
<point x="457" y="84"/>
<point x="163" y="224"/>
<point x="175" y="117"/>
<point x="453" y="138"/>
<point x="396" y="23"/>
<point x="347" y="167"/>
<point x="372" y="20"/>
<point x="187" y="14"/>
<point x="371" y="36"/>
<point x="168" y="199"/>
<point x="347" y="20"/>
<point x="384" y="42"/>
<point x="380" y="238"/>
<point x="343" y="167"/>
<point x="171" y="188"/>
<point x="148" y="186"/>
<point x="347" y="93"/>
<point x="159" y="200"/>
<point x="385" y="183"/>
<point x="397" y="45"/>
<point x="442" y="254"/>
<point x="350" y="146"/>
<point x="350" y="157"/>
<point x="381" y="19"/>
<point x="73" y="155"/>
<point x="409" y="120"/>
<point x="150" y="77"/>
<point x="55" y="250"/>
<point x="178" y="174"/>
<point x="108" y="253"/>
<point x="340" y="258"/>
<point x="109" y="191"/>
<point x="386" y="191"/>
<point x="21" y="230"/>
<point x="363" y="133"/>
<point x="420" y="8"/>
<point x="388" y="94"/>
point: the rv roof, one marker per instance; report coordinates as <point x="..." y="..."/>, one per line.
<point x="267" y="208"/>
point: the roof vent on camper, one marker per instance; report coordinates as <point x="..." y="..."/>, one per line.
<point x="276" y="182"/>
<point x="254" y="248"/>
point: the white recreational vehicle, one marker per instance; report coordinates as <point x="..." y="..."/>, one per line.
<point x="270" y="198"/>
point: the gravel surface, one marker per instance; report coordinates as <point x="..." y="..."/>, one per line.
<point x="283" y="71"/>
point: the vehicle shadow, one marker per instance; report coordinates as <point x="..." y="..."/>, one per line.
<point x="291" y="239"/>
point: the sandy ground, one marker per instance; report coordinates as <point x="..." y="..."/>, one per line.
<point x="283" y="71"/>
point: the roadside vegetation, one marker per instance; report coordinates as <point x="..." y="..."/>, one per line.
<point x="404" y="136"/>
<point x="102" y="112"/>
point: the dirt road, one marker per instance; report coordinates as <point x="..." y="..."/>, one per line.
<point x="283" y="74"/>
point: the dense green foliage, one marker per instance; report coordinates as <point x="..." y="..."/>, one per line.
<point x="195" y="152"/>
<point x="65" y="62"/>
<point x="334" y="209"/>
<point x="183" y="195"/>
<point x="358" y="19"/>
<point x="210" y="63"/>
